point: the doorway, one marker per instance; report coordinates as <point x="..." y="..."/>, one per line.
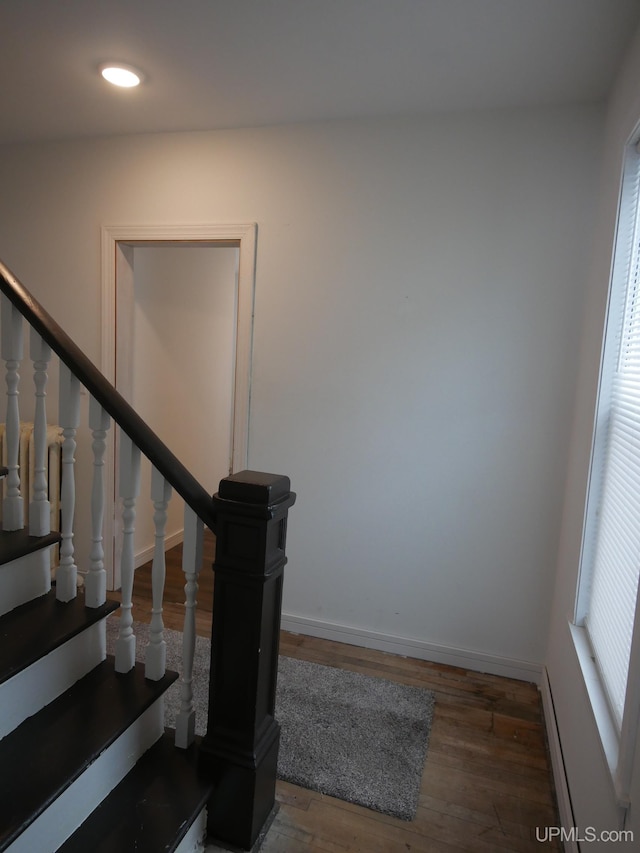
<point x="181" y="320"/>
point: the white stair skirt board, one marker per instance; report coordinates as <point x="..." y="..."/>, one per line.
<point x="193" y="842"/>
<point x="77" y="802"/>
<point x="557" y="762"/>
<point x="30" y="690"/>
<point x="465" y="658"/>
<point x="24" y="579"/>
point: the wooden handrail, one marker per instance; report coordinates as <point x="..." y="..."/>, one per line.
<point x="111" y="400"/>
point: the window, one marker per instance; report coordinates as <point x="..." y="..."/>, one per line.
<point x="608" y="592"/>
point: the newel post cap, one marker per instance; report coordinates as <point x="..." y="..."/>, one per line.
<point x="258" y="492"/>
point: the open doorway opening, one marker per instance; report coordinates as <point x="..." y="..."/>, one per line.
<point x="175" y="364"/>
<point x="181" y="308"/>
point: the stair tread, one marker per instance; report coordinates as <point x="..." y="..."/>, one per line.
<point x="38" y="627"/>
<point x="17" y="543"/>
<point x="51" y="749"/>
<point x="151" y="809"/>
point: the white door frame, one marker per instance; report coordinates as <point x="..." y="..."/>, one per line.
<point x="243" y="236"/>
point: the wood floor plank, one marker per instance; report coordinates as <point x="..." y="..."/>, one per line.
<point x="486" y="784"/>
<point x="294" y="796"/>
<point x="511" y="755"/>
<point x="487" y="827"/>
<point x="327" y="821"/>
<point x="532" y="784"/>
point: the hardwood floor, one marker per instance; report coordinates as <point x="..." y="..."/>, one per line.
<point x="486" y="784"/>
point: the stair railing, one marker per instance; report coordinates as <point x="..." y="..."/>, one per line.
<point x="238" y="750"/>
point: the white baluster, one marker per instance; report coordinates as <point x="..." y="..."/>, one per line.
<point x="156" y="660"/>
<point x="40" y="508"/>
<point x="129" y="491"/>
<point x="69" y="415"/>
<point x="191" y="564"/>
<point x="12" y="353"/>
<point x="96" y="580"/>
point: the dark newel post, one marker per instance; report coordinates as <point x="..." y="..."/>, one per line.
<point x="240" y="749"/>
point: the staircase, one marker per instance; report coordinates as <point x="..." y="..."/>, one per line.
<point x="75" y="732"/>
<point x="85" y="760"/>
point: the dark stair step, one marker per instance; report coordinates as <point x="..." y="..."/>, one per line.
<point x="36" y="628"/>
<point x="153" y="807"/>
<point x="3" y="471"/>
<point x="17" y="543"/>
<point x="51" y="749"/>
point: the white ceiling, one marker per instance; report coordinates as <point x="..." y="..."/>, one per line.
<point x="231" y="63"/>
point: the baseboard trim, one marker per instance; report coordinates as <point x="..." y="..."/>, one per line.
<point x="557" y="762"/>
<point x="464" y="658"/>
<point x="146" y="554"/>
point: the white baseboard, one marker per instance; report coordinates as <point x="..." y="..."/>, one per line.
<point x="557" y="762"/>
<point x="465" y="658"/>
<point x="146" y="554"/>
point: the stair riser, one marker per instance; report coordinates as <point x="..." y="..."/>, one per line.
<point x="24" y="579"/>
<point x="47" y="832"/>
<point x="193" y="842"/>
<point x="30" y="690"/>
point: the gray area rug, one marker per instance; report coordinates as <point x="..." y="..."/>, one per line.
<point x="351" y="736"/>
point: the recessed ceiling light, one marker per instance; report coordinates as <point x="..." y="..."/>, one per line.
<point x="121" y="75"/>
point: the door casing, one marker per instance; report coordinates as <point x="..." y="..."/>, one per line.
<point x="117" y="241"/>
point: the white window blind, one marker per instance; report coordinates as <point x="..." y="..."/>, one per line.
<point x="613" y="523"/>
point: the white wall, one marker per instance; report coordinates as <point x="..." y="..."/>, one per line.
<point x="590" y="785"/>
<point x="418" y="300"/>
